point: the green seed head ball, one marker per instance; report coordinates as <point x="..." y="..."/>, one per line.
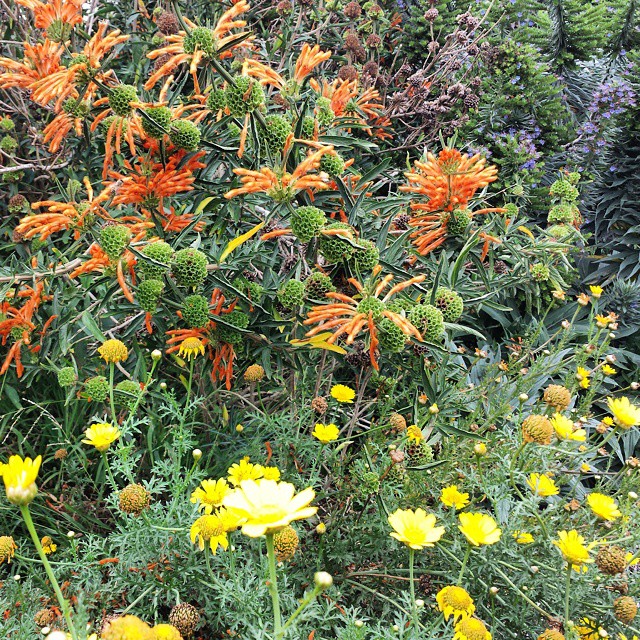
<point x="76" y="108"/>
<point x="560" y="213"/>
<point x="244" y="96"/>
<point x="18" y="204"/>
<point x="6" y="124"/>
<point x="573" y="178"/>
<point x="399" y="305"/>
<point x="512" y="210"/>
<point x="428" y="320"/>
<point x="189" y="266"/>
<point x="252" y="290"/>
<point x="148" y="294"/>
<point x="195" y="311"/>
<point x="391" y="336"/>
<point x="185" y="135"/>
<point x="458" y="222"/>
<point x="8" y="144"/>
<point x="159" y="252"/>
<point x="325" y="117"/>
<point x="559" y="231"/>
<point x="96" y="389"/>
<point x="335" y="248"/>
<point x="419" y="453"/>
<point x="308" y="127"/>
<point x="332" y="164"/>
<point x="120" y="99"/>
<point x="114" y="240"/>
<point x="161" y="117"/>
<point x="367" y="257"/>
<point x="202" y="39"/>
<point x="238" y="319"/>
<point x="217" y="100"/>
<point x="306" y="222"/>
<point x="450" y="303"/>
<point x="67" y="377"/>
<point x="565" y="190"/>
<point x="292" y="294"/>
<point x="373" y="305"/>
<point x="540" y="272"/>
<point x="317" y="285"/>
<point x="127" y="393"/>
<point x="274" y="135"/>
<point x="105" y="125"/>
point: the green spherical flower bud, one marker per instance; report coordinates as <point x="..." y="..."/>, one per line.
<point x="244" y="96"/>
<point x="335" y="248"/>
<point x="157" y="122"/>
<point x="58" y="30"/>
<point x="275" y="133"/>
<point x="201" y="38"/>
<point x="540" y="272"/>
<point x="371" y="305"/>
<point x="573" y="178"/>
<point x="565" y="190"/>
<point x="450" y="303"/>
<point x="6" y="124"/>
<point x="126" y="393"/>
<point x="76" y="108"/>
<point x="512" y="210"/>
<point x="67" y="377"/>
<point x="189" y="267"/>
<point x="159" y="256"/>
<point x="195" y="311"/>
<point x="317" y="285"/>
<point x="120" y="123"/>
<point x="391" y="337"/>
<point x="306" y="222"/>
<point x="560" y="232"/>
<point x="458" y="222"/>
<point x="366" y="257"/>
<point x="8" y="144"/>
<point x="96" y="389"/>
<point x="428" y="320"/>
<point x="217" y="100"/>
<point x="560" y="214"/>
<point x="237" y="319"/>
<point x="308" y="127"/>
<point x="148" y="294"/>
<point x="114" y="240"/>
<point x="120" y="99"/>
<point x="185" y="135"/>
<point x="332" y="164"/>
<point x="292" y="294"/>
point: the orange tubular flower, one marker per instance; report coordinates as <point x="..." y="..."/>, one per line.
<point x="221" y="354"/>
<point x="350" y="317"/>
<point x="178" y="54"/>
<point x="283" y="186"/>
<point x="40" y="61"/>
<point x="61" y="12"/>
<point x="19" y="324"/>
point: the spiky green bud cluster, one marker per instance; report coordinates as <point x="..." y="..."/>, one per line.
<point x="564" y="190"/>
<point x="428" y="320"/>
<point x="160" y="253"/>
<point x="126" y="393"/>
<point x="157" y="123"/>
<point x="252" y="290"/>
<point x="148" y="294"/>
<point x="114" y="240"/>
<point x="244" y="96"/>
<point x="540" y="272"/>
<point x="8" y="144"/>
<point x="450" y="303"/>
<point x="120" y="122"/>
<point x="236" y="318"/>
<point x="512" y="210"/>
<point x="366" y="257"/>
<point x="76" y="108"/>
<point x="419" y="454"/>
<point x="559" y="231"/>
<point x="292" y="294"/>
<point x="306" y="222"/>
<point x="391" y="336"/>
<point x="185" y="135"/>
<point x="275" y="132"/>
<point x="201" y="38"/>
<point x="195" y="311"/>
<point x="96" y="389"/>
<point x="573" y="178"/>
<point x="308" y="127"/>
<point x="332" y="164"/>
<point x="317" y="285"/>
<point x="189" y="267"/>
<point x="372" y="305"/>
<point x="120" y="99"/>
<point x="336" y="248"/>
<point x="67" y="377"/>
<point x="7" y="124"/>
<point x="217" y="100"/>
<point x="560" y="213"/>
<point x="324" y="112"/>
<point x="458" y="221"/>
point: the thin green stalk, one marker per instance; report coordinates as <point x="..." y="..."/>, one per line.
<point x="114" y="415"/>
<point x="64" y="604"/>
<point x="109" y="473"/>
<point x="311" y="596"/>
<point x="567" y="594"/>
<point x="412" y="590"/>
<point x="273" y="587"/>
<point x="467" y="553"/>
<point x="191" y="365"/>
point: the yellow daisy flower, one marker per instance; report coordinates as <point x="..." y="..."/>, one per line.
<point x="166" y="632"/>
<point x="522" y="537"/>
<point x="112" y="351"/>
<point x="605" y="507"/>
<point x="416" y="528"/>
<point x="191" y="348"/>
<point x="414" y="434"/>
<point x="625" y="414"/>
<point x="210" y="494"/>
<point x="471" y="629"/>
<point x="271" y="473"/>
<point x="451" y="497"/>
<point x="101" y="435"/>
<point x="455" y="601"/>
<point x="244" y="470"/>
<point x="8" y="548"/>
<point x="573" y="549"/>
<point x="20" y="479"/>
<point x="212" y="529"/>
<point x="608" y="370"/>
<point x="542" y="485"/>
<point x="582" y="376"/>
<point x="266" y="506"/>
<point x="596" y="291"/>
<point x="565" y="429"/>
<point x="342" y="393"/>
<point x="479" y="528"/>
<point x="48" y="545"/>
<point x="326" y="433"/>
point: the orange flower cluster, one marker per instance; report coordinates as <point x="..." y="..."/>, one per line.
<point x="349" y="317"/>
<point x="18" y="323"/>
<point x="221" y="354"/>
<point x="61" y="12"/>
